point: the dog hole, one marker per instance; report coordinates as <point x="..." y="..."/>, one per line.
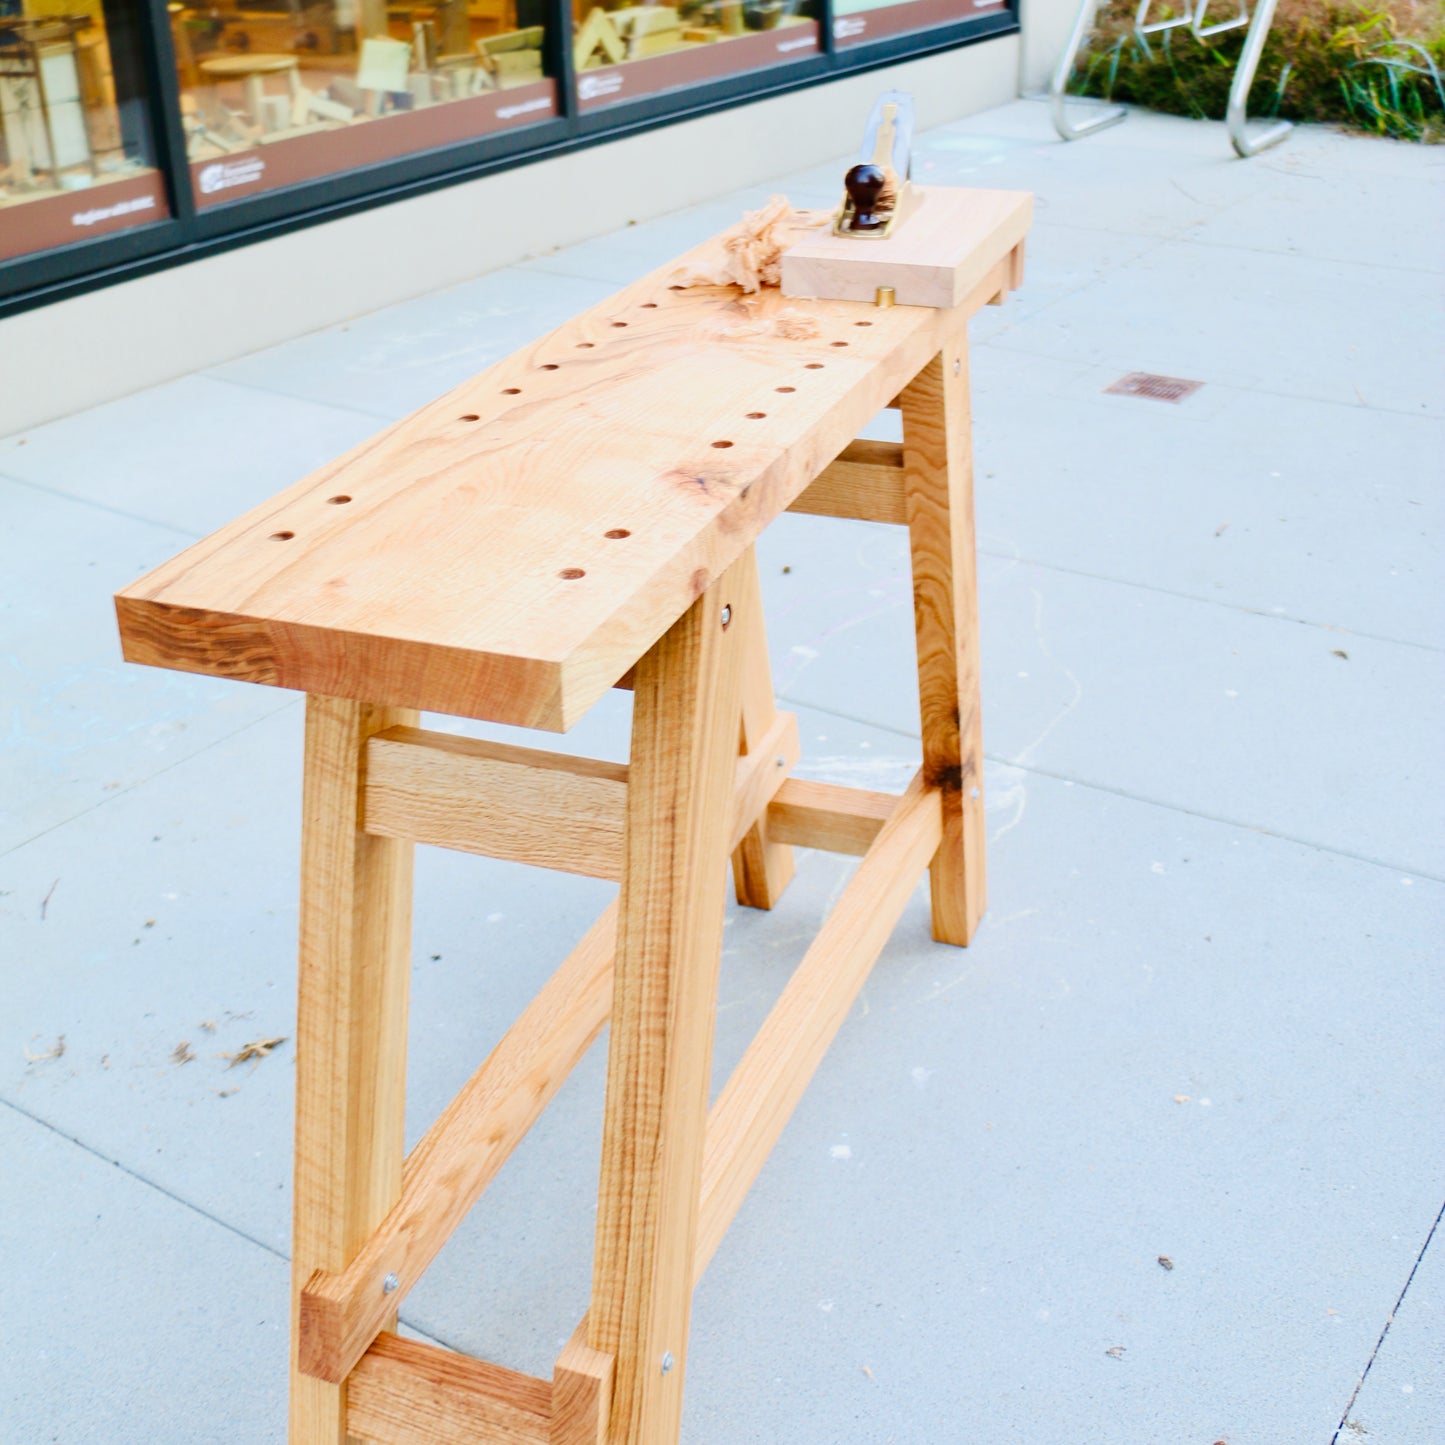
<point x="549" y="366"/>
<point x="756" y="415"/>
<point x="649" y="305"/>
<point x="785" y="388"/>
<point x="338" y="501"/>
<point x="282" y="536"/>
<point x="720" y="445"/>
<point x="619" y="323"/>
<point x="617" y="532"/>
<point x="840" y="343"/>
<point x="585" y="345"/>
<point x="862" y="323"/>
<point x="470" y="416"/>
<point x="815" y="366"/>
<point x="571" y="574"/>
<point x="511" y="391"/>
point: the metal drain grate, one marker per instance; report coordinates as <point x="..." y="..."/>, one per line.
<point x="1159" y="388"/>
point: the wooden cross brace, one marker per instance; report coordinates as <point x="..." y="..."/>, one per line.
<point x="708" y="779"/>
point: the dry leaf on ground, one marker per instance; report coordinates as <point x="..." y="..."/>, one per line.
<point x="253" y="1052"/>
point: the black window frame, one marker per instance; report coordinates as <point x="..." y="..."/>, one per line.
<point x="188" y="234"/>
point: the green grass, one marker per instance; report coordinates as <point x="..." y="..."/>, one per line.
<point x="1376" y="67"/>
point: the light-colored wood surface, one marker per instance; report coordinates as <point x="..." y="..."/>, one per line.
<point x="934" y="259"/>
<point x="686" y="709"/>
<point x="829" y="816"/>
<point x="759" y="1098"/>
<point x="405" y="1392"/>
<point x="552" y="810"/>
<point x="938" y="481"/>
<point x="864" y="484"/>
<point x="354" y="975"/>
<point x="761" y="867"/>
<point x="447" y="580"/>
<point x="581" y="1392"/>
<point x="445" y="1174"/>
<point x="521" y="804"/>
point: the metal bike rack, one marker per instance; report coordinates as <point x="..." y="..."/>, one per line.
<point x="1193" y="16"/>
<point x="1234" y="115"/>
<point x="1077" y="130"/>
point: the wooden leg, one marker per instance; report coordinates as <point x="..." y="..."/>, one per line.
<point x="938" y="486"/>
<point x="350" y="1027"/>
<point x="761" y="868"/>
<point x="669" y="939"/>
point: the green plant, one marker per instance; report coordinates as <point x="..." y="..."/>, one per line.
<point x="1373" y="65"/>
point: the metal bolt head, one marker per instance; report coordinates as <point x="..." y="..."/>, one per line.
<point x="390" y="1284"/>
<point x="667" y="1362"/>
<point x="727" y="614"/>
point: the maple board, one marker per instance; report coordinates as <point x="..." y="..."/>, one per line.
<point x="935" y="258"/>
<point x="511" y="550"/>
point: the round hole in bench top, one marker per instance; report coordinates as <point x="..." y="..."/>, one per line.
<point x="720" y="445"/>
<point x="338" y="501"/>
<point x="840" y="343"/>
<point x="756" y="415"/>
<point x="549" y="366"/>
<point x="862" y="323"/>
<point x="511" y="391"/>
<point x="815" y="366"/>
<point x="470" y="416"/>
<point x="617" y="533"/>
<point x="571" y="574"/>
<point x="585" y="345"/>
<point x="282" y="536"/>
<point x="619" y="323"/>
<point x="649" y="305"/>
<point x="785" y="388"/>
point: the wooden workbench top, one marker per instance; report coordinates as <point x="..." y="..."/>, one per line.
<point x="509" y="551"/>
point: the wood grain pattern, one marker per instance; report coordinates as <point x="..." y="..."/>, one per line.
<point x="935" y="258"/>
<point x="404" y="1392"/>
<point x="865" y="484"/>
<point x="522" y="804"/>
<point x="354" y="973"/>
<point x="468" y="560"/>
<point x="446" y="1173"/>
<point x="581" y="1392"/>
<point x="552" y="810"/>
<point x="829" y="816"/>
<point x="761" y="867"/>
<point x="759" y="1098"/>
<point x="938" y="480"/>
<point x="684" y="745"/>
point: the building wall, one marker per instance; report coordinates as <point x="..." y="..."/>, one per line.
<point x="121" y="338"/>
<point x="1045" y="25"/>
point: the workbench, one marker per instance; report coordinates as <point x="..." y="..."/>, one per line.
<point x="579" y="517"/>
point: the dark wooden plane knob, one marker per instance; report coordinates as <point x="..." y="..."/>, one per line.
<point x="864" y="184"/>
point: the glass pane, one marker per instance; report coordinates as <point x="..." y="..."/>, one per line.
<point x="76" y="158"/>
<point x="621" y="52"/>
<point x="855" y="21"/>
<point x="279" y="91"/>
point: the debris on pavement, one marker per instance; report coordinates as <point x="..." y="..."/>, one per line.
<point x="253" y="1052"/>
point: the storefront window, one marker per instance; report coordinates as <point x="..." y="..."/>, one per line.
<point x="621" y="52"/>
<point x="75" y="150"/>
<point x="279" y="91"/>
<point x="855" y="21"/>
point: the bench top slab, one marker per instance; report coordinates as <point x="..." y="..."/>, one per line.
<point x="509" y="551"/>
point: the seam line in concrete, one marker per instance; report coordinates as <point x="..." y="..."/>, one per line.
<point x="97" y="506"/>
<point x="1389" y="1320"/>
<point x="1097" y="787"/>
<point x="160" y="772"/>
<point x="142" y="1179"/>
<point x="1208" y="601"/>
<point x="256" y="386"/>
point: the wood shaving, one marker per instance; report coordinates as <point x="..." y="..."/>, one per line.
<point x="182" y="1054"/>
<point x="1181" y="1098"/>
<point x="209" y="1025"/>
<point x="1115" y="1352"/>
<point x="55" y="1051"/>
<point x="1340" y="653"/>
<point x="1165" y="1262"/>
<point x="790" y="325"/>
<point x="753" y="249"/>
<point x="253" y="1052"/>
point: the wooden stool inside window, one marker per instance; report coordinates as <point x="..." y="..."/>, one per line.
<point x="579" y="517"/>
